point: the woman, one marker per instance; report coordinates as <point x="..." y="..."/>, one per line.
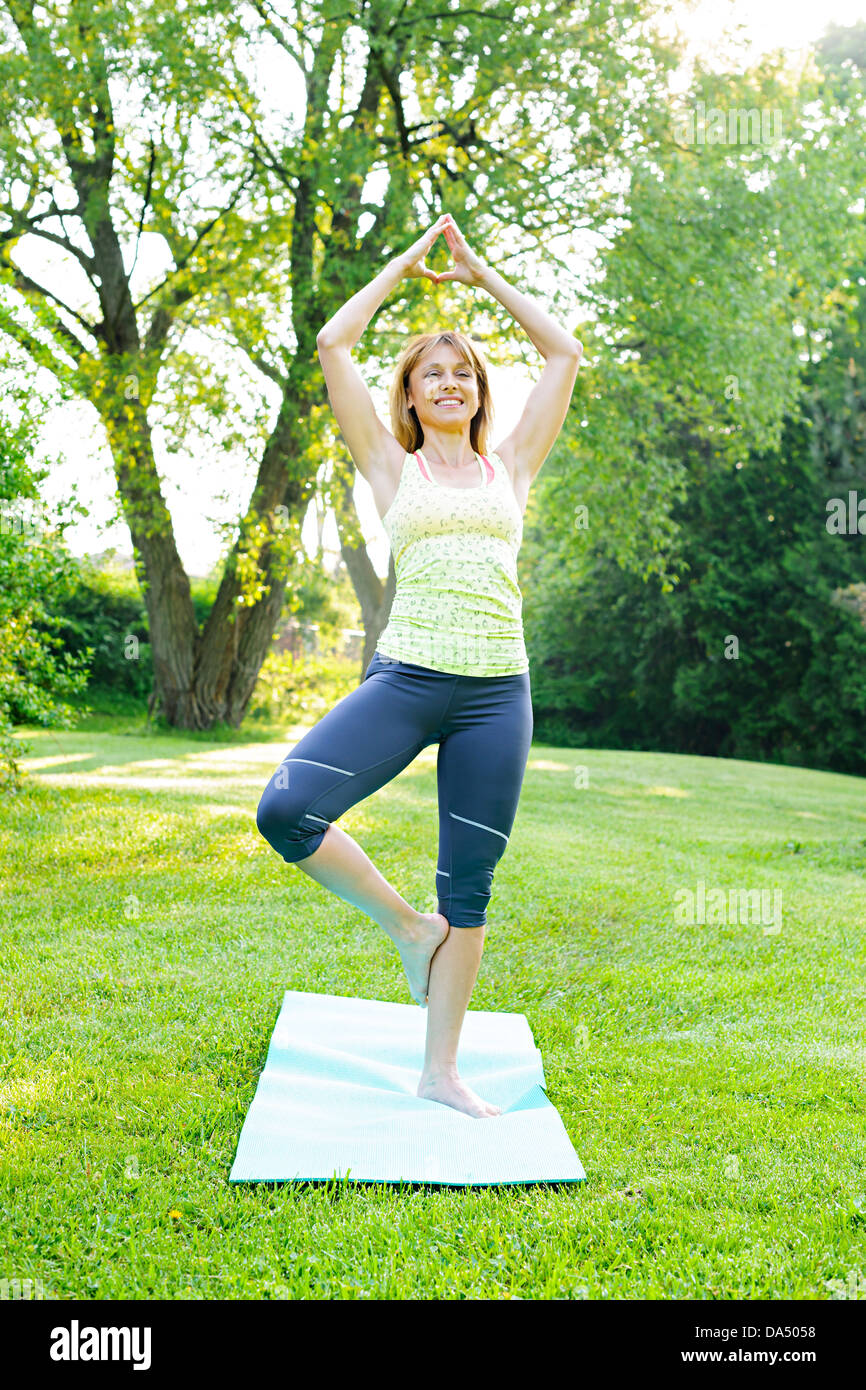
<point x="451" y="666"/>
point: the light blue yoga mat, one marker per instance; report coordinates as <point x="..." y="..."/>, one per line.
<point x="337" y="1099"/>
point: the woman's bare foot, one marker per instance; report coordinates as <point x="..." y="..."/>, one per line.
<point x="450" y="1090"/>
<point x="418" y="944"/>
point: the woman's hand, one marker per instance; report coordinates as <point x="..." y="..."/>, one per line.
<point x="468" y="268"/>
<point x="412" y="261"/>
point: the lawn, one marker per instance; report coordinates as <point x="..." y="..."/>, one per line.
<point x="710" y="1076"/>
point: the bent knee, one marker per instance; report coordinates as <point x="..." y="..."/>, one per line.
<point x="284" y="821"/>
<point x="272" y="816"/>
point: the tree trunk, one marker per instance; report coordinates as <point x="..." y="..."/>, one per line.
<point x="238" y="635"/>
<point x="200" y="679"/>
<point x="374" y="597"/>
<point x="158" y="567"/>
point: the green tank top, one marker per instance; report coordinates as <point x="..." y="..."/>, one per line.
<point x="457" y="606"/>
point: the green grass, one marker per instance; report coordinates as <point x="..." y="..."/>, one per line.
<point x="711" y="1077"/>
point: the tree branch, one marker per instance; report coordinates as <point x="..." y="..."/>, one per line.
<point x="181" y="296"/>
<point x="270" y="16"/>
<point x="144" y="206"/>
<point x="265" y="367"/>
<point x="507" y="17"/>
<point x="44" y="355"/>
<point x="34" y="291"/>
<point x="25" y="228"/>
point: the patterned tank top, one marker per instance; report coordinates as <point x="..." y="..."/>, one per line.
<point x="457" y="605"/>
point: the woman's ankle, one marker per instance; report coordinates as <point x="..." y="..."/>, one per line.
<point x="405" y="924"/>
<point x="439" y="1071"/>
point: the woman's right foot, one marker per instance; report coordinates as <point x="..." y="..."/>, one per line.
<point x="418" y="945"/>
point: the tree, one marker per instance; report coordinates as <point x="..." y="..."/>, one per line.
<point x="756" y="415"/>
<point x="121" y="124"/>
<point x="729" y="275"/>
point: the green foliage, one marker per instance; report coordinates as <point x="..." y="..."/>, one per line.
<point x="621" y="663"/>
<point x="731" y="263"/>
<point x="704" y="439"/>
<point x="103" y="613"/>
<point x="100" y="616"/>
<point x="321" y="595"/>
<point x="302" y="690"/>
<point x="614" y="474"/>
<point x="36" y="570"/>
<point x="732" y="249"/>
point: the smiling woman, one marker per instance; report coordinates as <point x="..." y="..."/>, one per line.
<point x="439" y="375"/>
<point x="455" y="524"/>
<point x="451" y="665"/>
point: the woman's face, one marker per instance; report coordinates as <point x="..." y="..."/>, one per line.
<point x="443" y="389"/>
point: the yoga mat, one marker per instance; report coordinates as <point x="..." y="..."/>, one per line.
<point x="337" y="1099"/>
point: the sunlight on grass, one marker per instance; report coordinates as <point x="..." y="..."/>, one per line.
<point x="18" y="1091"/>
<point x="134" y="780"/>
<point x="36" y="764"/>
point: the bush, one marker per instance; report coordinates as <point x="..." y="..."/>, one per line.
<point x="36" y="570"/>
<point x="619" y="663"/>
<point x="103" y="612"/>
<point x="302" y="690"/>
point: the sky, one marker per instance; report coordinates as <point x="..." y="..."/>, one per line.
<point x="205" y="487"/>
<point x="768" y="24"/>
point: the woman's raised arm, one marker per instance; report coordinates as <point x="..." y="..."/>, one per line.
<point x="372" y="446"/>
<point x="534" y="435"/>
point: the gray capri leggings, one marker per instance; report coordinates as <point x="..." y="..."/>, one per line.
<point x="483" y="725"/>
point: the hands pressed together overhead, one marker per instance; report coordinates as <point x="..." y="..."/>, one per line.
<point x="468" y="268"/>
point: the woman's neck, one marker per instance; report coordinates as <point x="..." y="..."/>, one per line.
<point x="455" y="458"/>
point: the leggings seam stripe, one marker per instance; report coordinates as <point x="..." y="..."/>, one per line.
<point x="361" y="770"/>
<point x="313" y="763"/>
<point x="479" y="824"/>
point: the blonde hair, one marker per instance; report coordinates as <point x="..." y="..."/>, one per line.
<point x="404" y="421"/>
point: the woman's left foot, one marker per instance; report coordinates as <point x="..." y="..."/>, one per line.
<point x="417" y="947"/>
<point x="450" y="1090"/>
